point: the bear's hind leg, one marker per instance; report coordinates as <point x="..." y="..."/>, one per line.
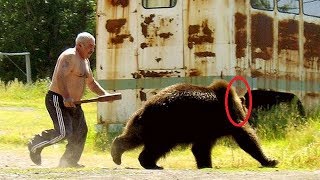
<point x="202" y="153"/>
<point x="248" y="141"/>
<point x="152" y="153"/>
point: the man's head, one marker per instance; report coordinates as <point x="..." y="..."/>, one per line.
<point x="85" y="44"/>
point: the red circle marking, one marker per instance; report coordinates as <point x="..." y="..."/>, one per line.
<point x="227" y="105"/>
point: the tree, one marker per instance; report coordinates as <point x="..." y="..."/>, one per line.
<point x="42" y="27"/>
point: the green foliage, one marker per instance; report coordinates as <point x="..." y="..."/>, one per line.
<point x="44" y="28"/>
<point x="295" y="145"/>
<point x="274" y="124"/>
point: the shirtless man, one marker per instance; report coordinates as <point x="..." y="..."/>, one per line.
<point x="71" y="75"/>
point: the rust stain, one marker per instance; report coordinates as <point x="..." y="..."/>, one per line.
<point x="143" y="45"/>
<point x="151" y="30"/>
<point x="194" y="29"/>
<point x="143" y="95"/>
<point x="199" y="34"/>
<point x="158" y="59"/>
<point x="148" y="20"/>
<point x="194" y="72"/>
<point x="288" y="35"/>
<point x="205" y="54"/>
<point x="120" y="38"/>
<point x="123" y="3"/>
<point x="313" y="94"/>
<point x="114" y="25"/>
<point x="262" y="36"/>
<point x="145" y="74"/>
<point x="144" y="29"/>
<point x="256" y="73"/>
<point x="165" y="35"/>
<point x="145" y="23"/>
<point x="311" y="45"/>
<point x="241" y="34"/>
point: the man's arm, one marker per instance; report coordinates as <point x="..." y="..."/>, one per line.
<point x="94" y="86"/>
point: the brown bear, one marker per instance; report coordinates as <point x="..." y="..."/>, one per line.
<point x="265" y="100"/>
<point x="187" y="114"/>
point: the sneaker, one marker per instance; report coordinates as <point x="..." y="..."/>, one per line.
<point x="34" y="156"/>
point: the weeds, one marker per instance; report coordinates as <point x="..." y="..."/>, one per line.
<point x="293" y="140"/>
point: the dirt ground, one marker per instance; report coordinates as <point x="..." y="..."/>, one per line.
<point x="15" y="164"/>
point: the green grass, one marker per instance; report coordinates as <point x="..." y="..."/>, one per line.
<point x="283" y="136"/>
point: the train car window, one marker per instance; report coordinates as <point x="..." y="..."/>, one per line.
<point x="150" y="4"/>
<point x="288" y="6"/>
<point x="311" y="7"/>
<point x="262" y="4"/>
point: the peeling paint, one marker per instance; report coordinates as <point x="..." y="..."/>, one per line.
<point x="120" y="38"/>
<point x="196" y="37"/>
<point x="241" y="34"/>
<point x="148" y="20"/>
<point x="288" y="35"/>
<point x="165" y="35"/>
<point x="194" y="72"/>
<point x="143" y="95"/>
<point x="256" y="73"/>
<point x="313" y="95"/>
<point x="143" y="45"/>
<point x="205" y="54"/>
<point x="144" y="29"/>
<point x="115" y="25"/>
<point x="262" y="36"/>
<point x="123" y="3"/>
<point x="158" y="59"/>
<point x="312" y="45"/>
<point x="144" y="74"/>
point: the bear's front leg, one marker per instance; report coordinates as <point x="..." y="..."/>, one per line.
<point x="153" y="151"/>
<point x="147" y="160"/>
<point x="248" y="141"/>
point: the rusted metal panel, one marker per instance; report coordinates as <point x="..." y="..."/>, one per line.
<point x="197" y="40"/>
<point x="288" y="35"/>
<point x="241" y="34"/>
<point x="123" y="3"/>
<point x="262" y="36"/>
<point x="208" y="39"/>
<point x="160" y="33"/>
<point x="200" y="34"/>
<point x="116" y="54"/>
<point x="312" y="46"/>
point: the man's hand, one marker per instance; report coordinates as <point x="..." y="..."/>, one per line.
<point x="68" y="102"/>
<point x="106" y="93"/>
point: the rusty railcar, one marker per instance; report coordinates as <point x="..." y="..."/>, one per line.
<point x="145" y="45"/>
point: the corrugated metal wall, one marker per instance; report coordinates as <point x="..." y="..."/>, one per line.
<point x="141" y="50"/>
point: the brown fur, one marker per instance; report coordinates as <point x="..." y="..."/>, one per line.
<point x="186" y="114"/>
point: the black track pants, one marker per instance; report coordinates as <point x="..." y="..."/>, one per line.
<point x="69" y="123"/>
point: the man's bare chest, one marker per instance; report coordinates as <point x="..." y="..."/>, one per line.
<point x="81" y="69"/>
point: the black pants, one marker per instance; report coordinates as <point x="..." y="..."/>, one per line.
<point x="69" y="123"/>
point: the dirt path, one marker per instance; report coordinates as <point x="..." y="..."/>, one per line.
<point x="15" y="164"/>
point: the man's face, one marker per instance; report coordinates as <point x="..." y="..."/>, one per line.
<point x="88" y="48"/>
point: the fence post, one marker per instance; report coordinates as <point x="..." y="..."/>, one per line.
<point x="28" y="68"/>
